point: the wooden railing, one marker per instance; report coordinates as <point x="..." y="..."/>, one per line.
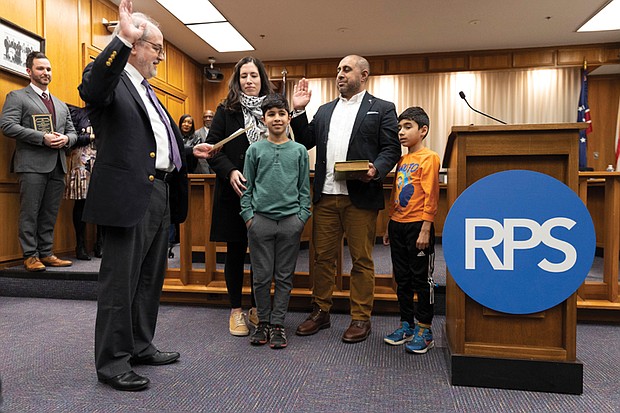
<point x="600" y="192"/>
<point x="198" y="284"/>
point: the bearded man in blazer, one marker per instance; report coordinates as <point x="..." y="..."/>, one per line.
<point x="39" y="161"/>
<point x="137" y="188"/>
<point x="356" y="126"/>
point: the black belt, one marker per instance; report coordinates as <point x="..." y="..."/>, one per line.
<point x="163" y="176"/>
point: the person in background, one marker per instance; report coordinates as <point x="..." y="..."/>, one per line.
<point x="355" y="126"/>
<point x="202" y="166"/>
<point x="411" y="235"/>
<point x="241" y="109"/>
<point x="207" y="118"/>
<point x="187" y="128"/>
<point x="39" y="161"/>
<point x="275" y="207"/>
<point x="137" y="188"/>
<point x="81" y="161"/>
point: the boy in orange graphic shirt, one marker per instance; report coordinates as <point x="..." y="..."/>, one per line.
<point x="411" y="235"/>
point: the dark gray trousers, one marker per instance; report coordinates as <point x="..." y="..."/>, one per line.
<point x="39" y="198"/>
<point x="274" y="246"/>
<point x="130" y="282"/>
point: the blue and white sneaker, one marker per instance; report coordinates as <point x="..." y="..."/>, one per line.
<point x="422" y="341"/>
<point x="401" y="335"/>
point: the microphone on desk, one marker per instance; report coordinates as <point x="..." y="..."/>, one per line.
<point x="462" y="95"/>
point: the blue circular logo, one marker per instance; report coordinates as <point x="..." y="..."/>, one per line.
<point x="519" y="242"/>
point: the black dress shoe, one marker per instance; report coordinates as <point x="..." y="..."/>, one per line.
<point x="81" y="254"/>
<point x="98" y="252"/>
<point x="129" y="381"/>
<point x="158" y="359"/>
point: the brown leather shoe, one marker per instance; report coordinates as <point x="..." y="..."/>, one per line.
<point x="33" y="264"/>
<point x="358" y="331"/>
<point x="316" y="321"/>
<point x="54" y="261"/>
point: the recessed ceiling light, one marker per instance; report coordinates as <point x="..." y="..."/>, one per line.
<point x="604" y="19"/>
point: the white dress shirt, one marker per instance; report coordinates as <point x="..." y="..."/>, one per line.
<point x="162" y="156"/>
<point x="340" y="129"/>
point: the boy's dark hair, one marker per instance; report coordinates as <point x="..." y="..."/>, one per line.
<point x="275" y="100"/>
<point x="34" y="55"/>
<point x="418" y="115"/>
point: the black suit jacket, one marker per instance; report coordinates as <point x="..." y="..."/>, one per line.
<point x="226" y="223"/>
<point x="374" y="137"/>
<point x="122" y="179"/>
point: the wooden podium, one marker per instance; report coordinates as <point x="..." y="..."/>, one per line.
<point x="491" y="349"/>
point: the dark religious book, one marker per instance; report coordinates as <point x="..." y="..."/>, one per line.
<point x="347" y="170"/>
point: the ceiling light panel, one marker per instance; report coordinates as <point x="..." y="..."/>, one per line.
<point x="193" y="11"/>
<point x="223" y="37"/>
<point x="606" y="19"/>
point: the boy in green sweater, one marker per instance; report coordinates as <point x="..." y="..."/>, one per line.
<point x="275" y="207"/>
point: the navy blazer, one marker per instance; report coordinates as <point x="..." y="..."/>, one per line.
<point x="122" y="179"/>
<point x="374" y="137"/>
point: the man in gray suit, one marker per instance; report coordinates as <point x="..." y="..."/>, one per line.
<point x="207" y="118"/>
<point x="202" y="166"/>
<point x="39" y="161"/>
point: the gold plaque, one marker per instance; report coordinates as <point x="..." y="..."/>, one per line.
<point x="43" y="122"/>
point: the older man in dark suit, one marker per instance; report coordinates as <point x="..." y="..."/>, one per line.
<point x="356" y="126"/>
<point x="39" y="161"/>
<point x="138" y="186"/>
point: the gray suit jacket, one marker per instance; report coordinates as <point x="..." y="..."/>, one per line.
<point x="31" y="155"/>
<point x="202" y="134"/>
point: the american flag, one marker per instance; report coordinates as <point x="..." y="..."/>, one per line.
<point x="583" y="115"/>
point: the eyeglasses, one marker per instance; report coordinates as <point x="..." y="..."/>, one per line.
<point x="157" y="48"/>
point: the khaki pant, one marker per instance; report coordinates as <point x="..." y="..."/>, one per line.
<point x="333" y="216"/>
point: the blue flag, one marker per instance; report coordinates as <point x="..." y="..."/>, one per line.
<point x="583" y="115"/>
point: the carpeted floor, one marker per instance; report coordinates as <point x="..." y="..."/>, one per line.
<point x="46" y="363"/>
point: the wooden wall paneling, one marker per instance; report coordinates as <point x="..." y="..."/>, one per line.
<point x="175" y="62"/>
<point x="493" y="61"/>
<point x="575" y="56"/>
<point x="101" y="9"/>
<point x="215" y="92"/>
<point x="193" y="85"/>
<point x="447" y="63"/>
<point x="9" y="245"/>
<point x="404" y="65"/>
<point x="533" y="58"/>
<point x="603" y="99"/>
<point x="176" y="107"/>
<point x="274" y="69"/>
<point x="24" y="13"/>
<point x="8" y="82"/>
<point x="325" y="68"/>
<point x="611" y="54"/>
<point x="377" y="65"/>
<point x="61" y="27"/>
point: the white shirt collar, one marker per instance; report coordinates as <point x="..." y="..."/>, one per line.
<point x="38" y="90"/>
<point x="355" y="98"/>
<point x="133" y="73"/>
